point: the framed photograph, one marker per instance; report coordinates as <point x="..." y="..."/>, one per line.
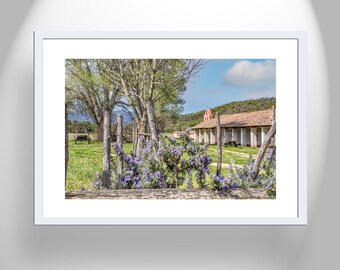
<point x="170" y="128"/>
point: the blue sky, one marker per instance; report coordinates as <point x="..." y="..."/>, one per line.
<point x="223" y="81"/>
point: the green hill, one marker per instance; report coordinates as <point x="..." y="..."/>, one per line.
<point x="192" y="119"/>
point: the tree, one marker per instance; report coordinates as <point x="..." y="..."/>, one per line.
<point x="68" y="107"/>
<point x="90" y="88"/>
<point x="168" y="110"/>
<point x="148" y="81"/>
<point x="167" y="116"/>
<point x="165" y="78"/>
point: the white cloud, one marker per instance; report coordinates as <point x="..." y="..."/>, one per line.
<point x="247" y="73"/>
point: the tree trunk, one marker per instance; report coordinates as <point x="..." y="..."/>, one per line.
<point x="262" y="151"/>
<point x="106" y="149"/>
<point x="100" y="131"/>
<point x="141" y="128"/>
<point x="151" y="120"/>
<point x="120" y="151"/>
<point x="134" y="138"/>
<point x="66" y="143"/>
<point x="219" y="144"/>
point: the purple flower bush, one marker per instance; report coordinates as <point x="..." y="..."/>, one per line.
<point x="242" y="176"/>
<point x="168" y="163"/>
<point x="97" y="184"/>
<point x="171" y="163"/>
<point x="267" y="178"/>
<point x="131" y="175"/>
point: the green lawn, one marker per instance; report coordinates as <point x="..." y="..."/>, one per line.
<point x="86" y="159"/>
<point x="227" y="156"/>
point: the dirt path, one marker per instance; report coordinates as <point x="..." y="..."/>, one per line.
<point x="239" y="154"/>
<point x="224" y="165"/>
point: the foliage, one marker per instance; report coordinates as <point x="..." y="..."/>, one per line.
<point x="242" y="176"/>
<point x="268" y="177"/>
<point x="152" y="88"/>
<point x="89" y="91"/>
<point x="167" y="113"/>
<point x="85" y="160"/>
<point x="168" y="163"/>
<point x="97" y="183"/>
<point x="81" y="126"/>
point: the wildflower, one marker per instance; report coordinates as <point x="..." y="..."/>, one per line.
<point x="97" y="184"/>
<point x="158" y="175"/>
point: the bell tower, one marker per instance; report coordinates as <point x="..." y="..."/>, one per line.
<point x="207" y="115"/>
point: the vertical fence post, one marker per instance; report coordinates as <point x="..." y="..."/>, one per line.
<point x="134" y="138"/>
<point x="107" y="149"/>
<point x="219" y="144"/>
<point x="66" y="143"/>
<point x="120" y="151"/>
<point x="270" y="135"/>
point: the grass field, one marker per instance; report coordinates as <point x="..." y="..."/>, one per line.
<point x="227" y="156"/>
<point x="86" y="159"/>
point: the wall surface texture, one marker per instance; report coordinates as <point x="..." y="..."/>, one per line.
<point x="24" y="246"/>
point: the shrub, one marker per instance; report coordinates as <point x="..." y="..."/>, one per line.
<point x="167" y="163"/>
<point x="170" y="163"/>
<point x="242" y="176"/>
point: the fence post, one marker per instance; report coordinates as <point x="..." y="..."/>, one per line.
<point x="219" y="144"/>
<point x="134" y="137"/>
<point x="120" y="151"/>
<point x="107" y="149"/>
<point x="66" y="143"/>
<point x="270" y="135"/>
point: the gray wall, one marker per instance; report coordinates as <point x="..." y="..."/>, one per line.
<point x="24" y="246"/>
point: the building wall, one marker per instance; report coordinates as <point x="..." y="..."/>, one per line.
<point x="258" y="135"/>
<point x="238" y="135"/>
<point x="248" y="137"/>
<point x="228" y="134"/>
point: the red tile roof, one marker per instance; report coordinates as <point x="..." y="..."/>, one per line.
<point x="248" y="119"/>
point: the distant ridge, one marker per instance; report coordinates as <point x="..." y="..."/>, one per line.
<point x="251" y="105"/>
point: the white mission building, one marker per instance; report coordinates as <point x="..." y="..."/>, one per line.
<point x="243" y="129"/>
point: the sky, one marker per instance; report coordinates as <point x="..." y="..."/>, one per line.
<point x="222" y="81"/>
